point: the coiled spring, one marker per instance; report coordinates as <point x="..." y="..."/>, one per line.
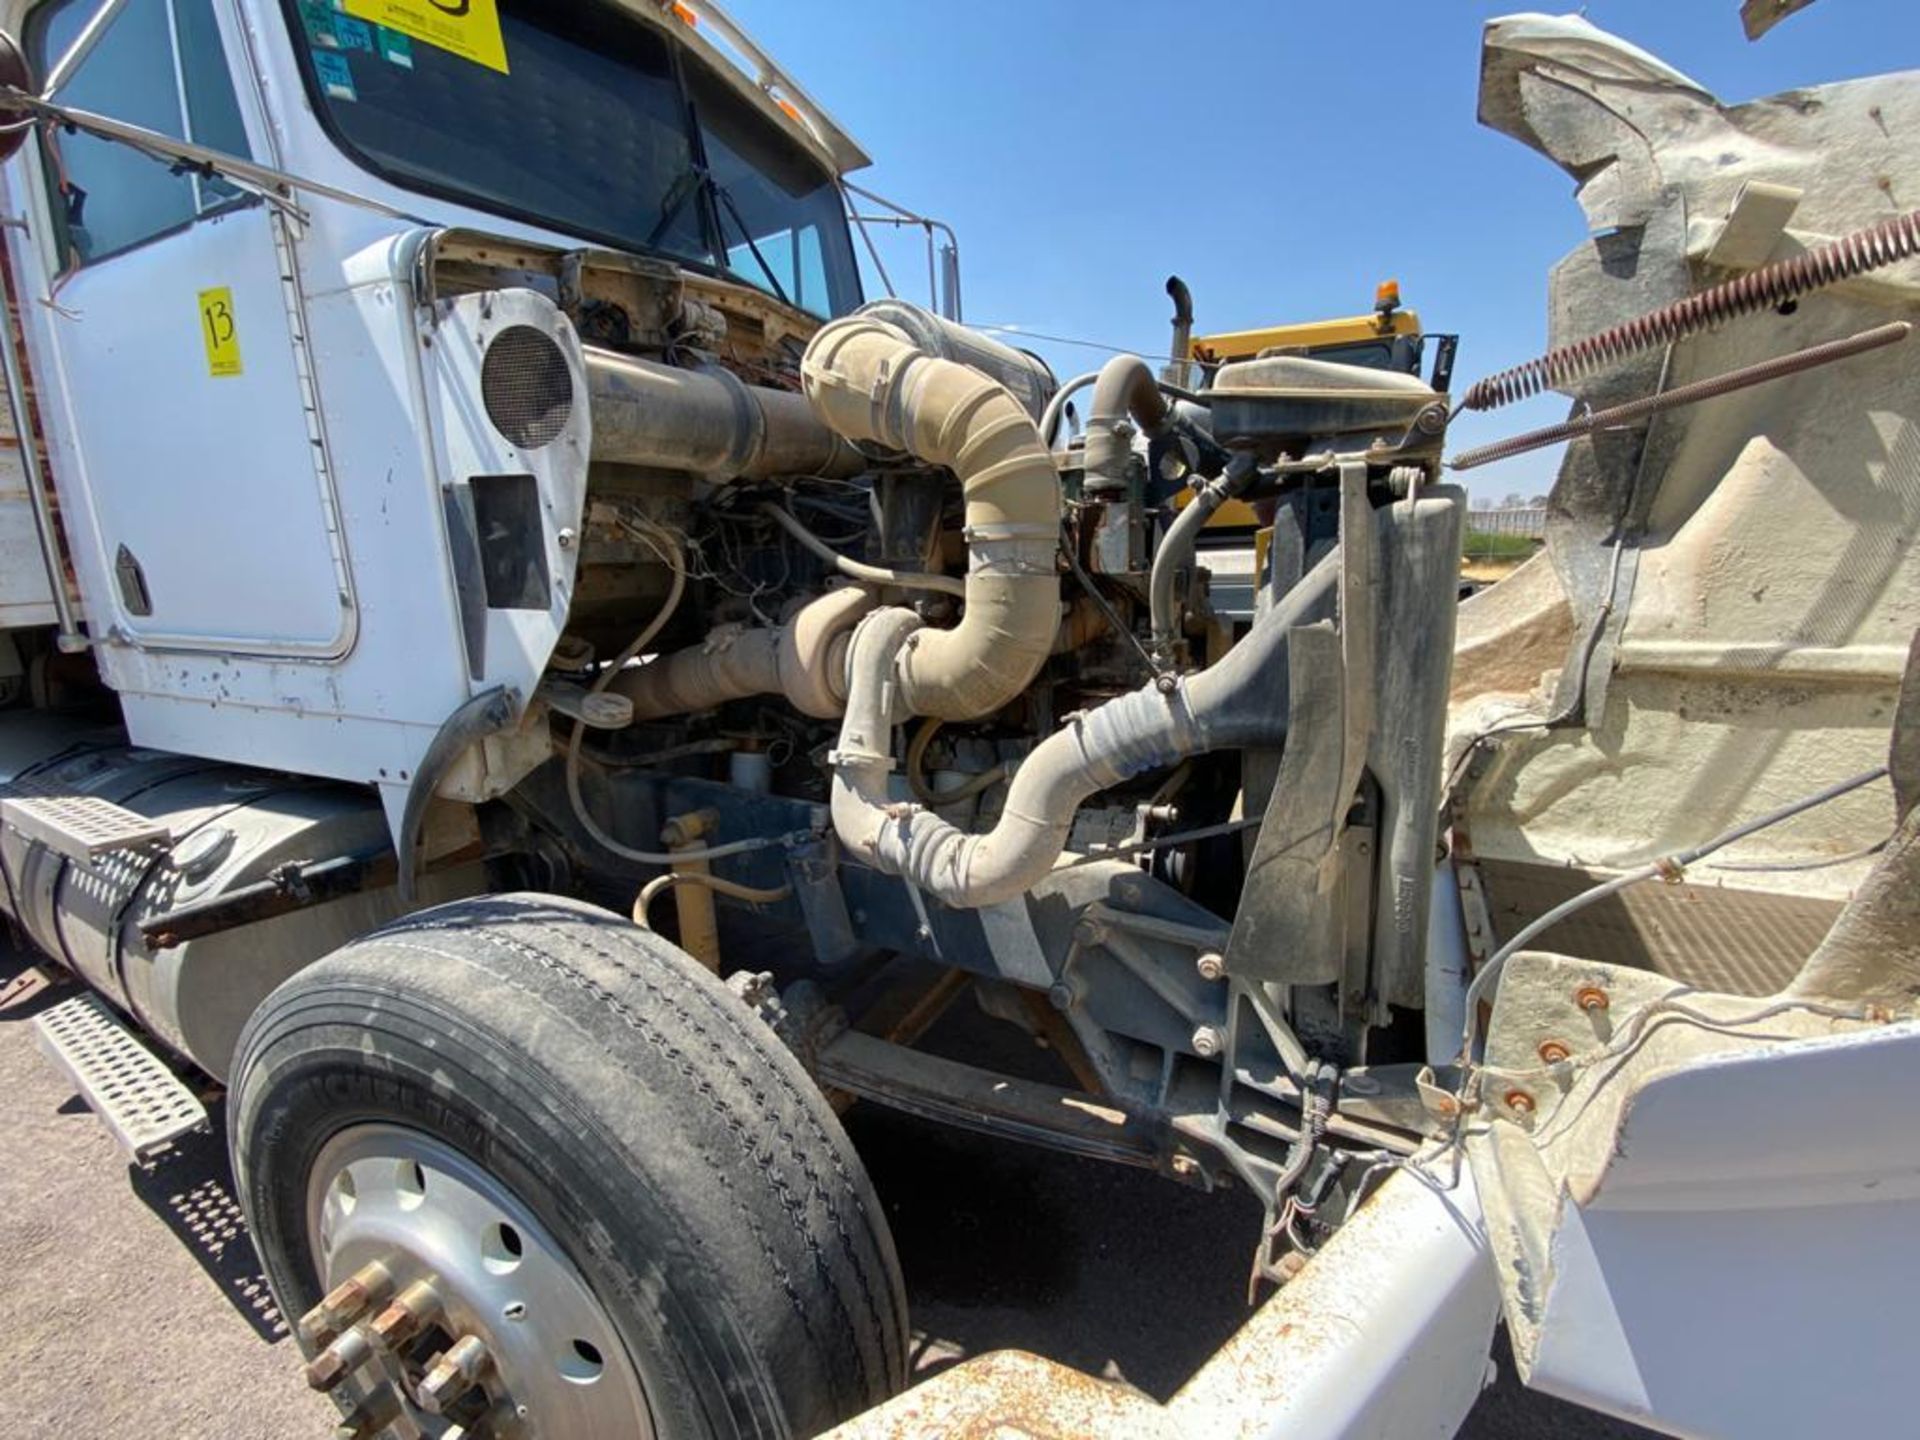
<point x="1767" y="288"/>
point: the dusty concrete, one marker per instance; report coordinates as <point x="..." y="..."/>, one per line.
<point x="132" y="1306"/>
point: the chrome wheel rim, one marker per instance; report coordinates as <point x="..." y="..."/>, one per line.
<point x="479" y="1266"/>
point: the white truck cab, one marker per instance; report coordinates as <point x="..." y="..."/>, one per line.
<point x="513" y="668"/>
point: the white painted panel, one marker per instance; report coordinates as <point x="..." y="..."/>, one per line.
<point x="208" y="480"/>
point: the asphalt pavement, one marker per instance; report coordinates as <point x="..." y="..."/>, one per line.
<point x="132" y="1305"/>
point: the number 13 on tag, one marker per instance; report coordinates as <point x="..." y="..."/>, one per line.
<point x="220" y="331"/>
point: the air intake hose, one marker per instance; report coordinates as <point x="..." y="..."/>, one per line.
<point x="869" y="381"/>
<point x="804" y="660"/>
<point x="1240" y="700"/>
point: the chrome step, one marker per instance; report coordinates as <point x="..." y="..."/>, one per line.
<point x="136" y="1096"/>
<point x="80" y="827"/>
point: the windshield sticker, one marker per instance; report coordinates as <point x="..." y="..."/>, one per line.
<point x="354" y="34"/>
<point x="336" y="76"/>
<point x="318" y="17"/>
<point x="467" y="28"/>
<point x="396" y="47"/>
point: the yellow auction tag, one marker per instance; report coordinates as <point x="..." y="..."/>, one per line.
<point x="220" y="331"/>
<point x="468" y="28"/>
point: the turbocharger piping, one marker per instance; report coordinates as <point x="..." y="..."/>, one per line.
<point x="1240" y="700"/>
<point x="870" y="382"/>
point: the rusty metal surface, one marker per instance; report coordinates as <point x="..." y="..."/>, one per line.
<point x="1741" y="942"/>
<point x="1012" y="1395"/>
<point x="1386" y="1332"/>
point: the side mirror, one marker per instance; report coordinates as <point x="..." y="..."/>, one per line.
<point x="16" y="74"/>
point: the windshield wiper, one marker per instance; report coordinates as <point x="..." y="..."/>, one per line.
<point x="723" y="198"/>
<point x="697" y="179"/>
<point x="692" y="181"/>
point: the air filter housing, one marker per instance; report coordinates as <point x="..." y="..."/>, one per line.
<point x="526" y="386"/>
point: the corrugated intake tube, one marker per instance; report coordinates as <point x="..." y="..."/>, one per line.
<point x="870" y="382"/>
<point x="1240" y="700"/>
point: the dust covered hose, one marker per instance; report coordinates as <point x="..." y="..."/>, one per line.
<point x="870" y="381"/>
<point x="1239" y="700"/>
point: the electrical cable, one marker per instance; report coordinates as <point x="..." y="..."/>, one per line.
<point x="859" y="569"/>
<point x="663" y="546"/>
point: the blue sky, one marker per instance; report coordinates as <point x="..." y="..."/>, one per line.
<point x="1282" y="156"/>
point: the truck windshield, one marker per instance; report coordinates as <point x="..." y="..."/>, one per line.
<point x="591" y="131"/>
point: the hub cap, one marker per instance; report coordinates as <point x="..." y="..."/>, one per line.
<point x="452" y="1310"/>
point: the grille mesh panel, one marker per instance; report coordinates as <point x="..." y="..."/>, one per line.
<point x="527" y="387"/>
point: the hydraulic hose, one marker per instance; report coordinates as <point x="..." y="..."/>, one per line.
<point x="869" y="381"/>
<point x="1177" y="549"/>
<point x="1241" y="700"/>
<point x="660" y="884"/>
<point x="1057" y="406"/>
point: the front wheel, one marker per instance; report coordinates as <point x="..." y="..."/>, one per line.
<point x="528" y="1170"/>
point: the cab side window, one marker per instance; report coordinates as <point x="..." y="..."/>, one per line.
<point x="159" y="65"/>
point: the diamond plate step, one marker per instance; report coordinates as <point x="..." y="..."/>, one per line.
<point x="81" y="827"/>
<point x="137" y="1097"/>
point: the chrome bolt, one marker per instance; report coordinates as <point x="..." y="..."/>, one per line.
<point x="1212" y="966"/>
<point x="1209" y="1041"/>
<point x="567" y="538"/>
<point x="453" y="1374"/>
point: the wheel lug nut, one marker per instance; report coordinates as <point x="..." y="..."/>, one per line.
<point x="346" y="1303"/>
<point x="340" y="1359"/>
<point x="453" y="1374"/>
<point x="407" y="1316"/>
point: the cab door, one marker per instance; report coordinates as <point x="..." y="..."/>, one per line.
<point x="177" y="311"/>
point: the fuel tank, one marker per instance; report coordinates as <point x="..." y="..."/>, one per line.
<point x="228" y="827"/>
